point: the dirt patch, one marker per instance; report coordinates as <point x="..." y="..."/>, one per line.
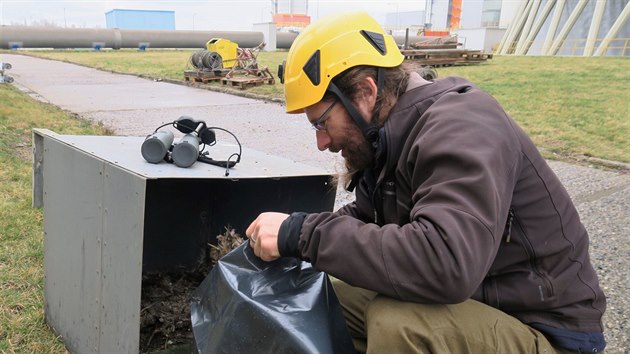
<point x="165" y="299"/>
<point x="165" y="309"/>
<point x="24" y="152"/>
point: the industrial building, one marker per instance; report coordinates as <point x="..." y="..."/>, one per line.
<point x="290" y="15"/>
<point x="140" y="19"/>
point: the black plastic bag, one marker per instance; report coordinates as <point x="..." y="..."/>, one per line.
<point x="246" y="305"/>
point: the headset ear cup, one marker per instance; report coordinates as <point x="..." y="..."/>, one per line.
<point x="185" y="124"/>
<point x="156" y="146"/>
<point x="207" y="136"/>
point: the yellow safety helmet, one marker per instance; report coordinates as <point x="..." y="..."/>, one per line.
<point x="328" y="47"/>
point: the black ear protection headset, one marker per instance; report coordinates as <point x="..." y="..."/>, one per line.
<point x="159" y="146"/>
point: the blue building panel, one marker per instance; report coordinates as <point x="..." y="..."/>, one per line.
<point x="140" y="19"/>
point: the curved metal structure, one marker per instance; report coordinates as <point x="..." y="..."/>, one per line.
<point x="285" y="39"/>
<point x="569" y="27"/>
<point x="14" y="37"/>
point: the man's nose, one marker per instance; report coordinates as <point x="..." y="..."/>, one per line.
<point x="323" y="140"/>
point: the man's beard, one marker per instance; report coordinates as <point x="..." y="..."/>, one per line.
<point x="358" y="152"/>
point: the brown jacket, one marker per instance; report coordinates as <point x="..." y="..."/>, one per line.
<point x="462" y="206"/>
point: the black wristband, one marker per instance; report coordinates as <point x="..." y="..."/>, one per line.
<point x="289" y="235"/>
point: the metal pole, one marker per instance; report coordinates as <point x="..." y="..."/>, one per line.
<point x="527" y="27"/>
<point x="518" y="25"/>
<point x="536" y="28"/>
<point x="428" y="14"/>
<point x="603" y="47"/>
<point x="567" y="27"/>
<point x="553" y="26"/>
<point x="593" y="31"/>
<point x="511" y="26"/>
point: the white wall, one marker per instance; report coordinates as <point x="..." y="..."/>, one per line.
<point x="508" y="11"/>
<point x="269" y="34"/>
<point x="439" y="14"/>
<point x="485" y="39"/>
<point x="471" y="13"/>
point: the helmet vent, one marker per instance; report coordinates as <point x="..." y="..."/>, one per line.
<point x="311" y="68"/>
<point x="376" y="40"/>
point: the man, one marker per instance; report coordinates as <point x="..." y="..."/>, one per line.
<point x="461" y="238"/>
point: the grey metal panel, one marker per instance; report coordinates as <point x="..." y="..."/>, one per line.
<point x="73" y="189"/>
<point x="124" y="151"/>
<point x="109" y="216"/>
<point x="38" y="169"/>
<point x="121" y="265"/>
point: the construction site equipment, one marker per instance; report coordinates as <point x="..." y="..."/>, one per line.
<point x="234" y="66"/>
<point x="447" y="41"/>
<point x="246" y="82"/>
<point x="441" y="51"/>
<point x="445" y="57"/>
<point x="219" y="53"/>
<point x="5" y="78"/>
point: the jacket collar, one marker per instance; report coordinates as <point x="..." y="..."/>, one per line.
<point x="408" y="110"/>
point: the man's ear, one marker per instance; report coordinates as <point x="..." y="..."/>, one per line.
<point x="368" y="89"/>
<point x="366" y="97"/>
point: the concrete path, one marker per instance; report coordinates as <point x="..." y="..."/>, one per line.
<point x="135" y="106"/>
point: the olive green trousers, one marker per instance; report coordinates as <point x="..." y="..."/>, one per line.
<point x="379" y="324"/>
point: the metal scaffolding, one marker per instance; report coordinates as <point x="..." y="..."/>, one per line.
<point x="575" y="28"/>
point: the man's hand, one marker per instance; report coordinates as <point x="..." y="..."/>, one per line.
<point x="263" y="235"/>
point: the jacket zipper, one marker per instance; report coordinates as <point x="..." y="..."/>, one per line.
<point x="509" y="225"/>
<point x="383" y="193"/>
<point x="374" y="199"/>
<point x="529" y="249"/>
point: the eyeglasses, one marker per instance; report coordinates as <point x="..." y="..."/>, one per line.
<point x="319" y="123"/>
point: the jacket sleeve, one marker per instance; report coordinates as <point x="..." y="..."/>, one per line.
<point x="458" y="167"/>
<point x="289" y="233"/>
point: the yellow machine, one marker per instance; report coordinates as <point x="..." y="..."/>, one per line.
<point x="223" y="59"/>
<point x="219" y="54"/>
<point x="226" y="50"/>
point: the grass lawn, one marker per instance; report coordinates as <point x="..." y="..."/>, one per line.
<point x="22" y="327"/>
<point x="568" y="105"/>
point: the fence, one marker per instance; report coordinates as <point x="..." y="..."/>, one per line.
<point x="575" y="47"/>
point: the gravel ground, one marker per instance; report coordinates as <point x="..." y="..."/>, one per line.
<point x="602" y="199"/>
<point x="133" y="106"/>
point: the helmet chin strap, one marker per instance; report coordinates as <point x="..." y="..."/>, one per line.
<point x="370" y="131"/>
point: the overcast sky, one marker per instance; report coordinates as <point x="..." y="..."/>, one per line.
<point x="226" y="15"/>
